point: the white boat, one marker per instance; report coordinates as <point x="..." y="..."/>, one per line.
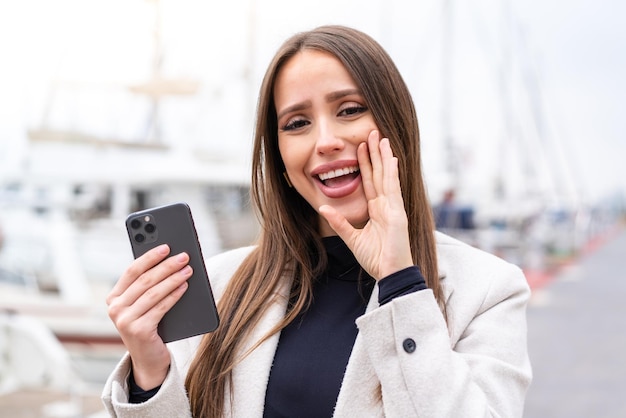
<point x="62" y="209"/>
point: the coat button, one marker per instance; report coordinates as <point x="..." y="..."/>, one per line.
<point x="409" y="345"/>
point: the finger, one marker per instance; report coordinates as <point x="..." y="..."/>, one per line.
<point x="391" y="182"/>
<point x="151" y="278"/>
<point x="137" y="268"/>
<point x="373" y="144"/>
<point x="157" y="300"/>
<point x="134" y="328"/>
<point x="338" y="223"/>
<point x="365" y="167"/>
<point x="150" y="304"/>
<point x="167" y="303"/>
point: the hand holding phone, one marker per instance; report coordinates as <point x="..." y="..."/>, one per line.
<point x="195" y="313"/>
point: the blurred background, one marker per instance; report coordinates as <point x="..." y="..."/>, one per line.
<point x="107" y="107"/>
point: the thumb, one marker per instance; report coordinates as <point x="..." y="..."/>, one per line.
<point x="337" y="222"/>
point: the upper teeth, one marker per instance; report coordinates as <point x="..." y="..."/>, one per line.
<point x="339" y="172"/>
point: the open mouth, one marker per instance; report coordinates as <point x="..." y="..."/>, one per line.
<point x="339" y="177"/>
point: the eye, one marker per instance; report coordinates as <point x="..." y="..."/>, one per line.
<point x="352" y="109"/>
<point x="295" y="123"/>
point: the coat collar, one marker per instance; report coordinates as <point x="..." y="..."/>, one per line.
<point x="250" y="377"/>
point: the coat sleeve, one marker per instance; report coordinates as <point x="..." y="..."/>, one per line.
<point x="170" y="401"/>
<point x="474" y="365"/>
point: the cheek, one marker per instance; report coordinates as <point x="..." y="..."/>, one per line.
<point x="294" y="155"/>
<point x="364" y="131"/>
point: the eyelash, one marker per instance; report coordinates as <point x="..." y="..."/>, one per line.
<point x="348" y="111"/>
<point x="295" y="124"/>
<point x="353" y="110"/>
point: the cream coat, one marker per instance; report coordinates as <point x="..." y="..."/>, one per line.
<point x="476" y="366"/>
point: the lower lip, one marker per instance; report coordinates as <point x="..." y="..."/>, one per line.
<point x="339" y="192"/>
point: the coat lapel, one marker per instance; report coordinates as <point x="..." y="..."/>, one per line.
<point x="250" y="377"/>
<point x="357" y="396"/>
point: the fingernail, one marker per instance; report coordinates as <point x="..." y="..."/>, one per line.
<point x="182" y="258"/>
<point x="186" y="270"/>
<point x="163" y="249"/>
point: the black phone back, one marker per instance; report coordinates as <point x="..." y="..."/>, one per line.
<point x="195" y="313"/>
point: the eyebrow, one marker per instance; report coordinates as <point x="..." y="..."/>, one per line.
<point x="330" y="97"/>
<point x="341" y="93"/>
<point x="294" y="108"/>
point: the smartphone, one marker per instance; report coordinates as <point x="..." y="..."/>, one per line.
<point x="195" y="313"/>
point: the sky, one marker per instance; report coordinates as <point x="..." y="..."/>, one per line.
<point x="531" y="89"/>
<point x="582" y="47"/>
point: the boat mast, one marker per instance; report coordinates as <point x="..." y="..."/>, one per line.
<point x="450" y="150"/>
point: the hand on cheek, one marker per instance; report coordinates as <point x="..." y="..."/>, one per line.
<point x="382" y="247"/>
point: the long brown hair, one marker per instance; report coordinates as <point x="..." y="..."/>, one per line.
<point x="289" y="225"/>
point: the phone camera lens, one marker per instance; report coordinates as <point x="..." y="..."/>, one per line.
<point x="139" y="237"/>
<point x="135" y="223"/>
<point x="150" y="228"/>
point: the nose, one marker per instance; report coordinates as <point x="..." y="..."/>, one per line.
<point x="327" y="139"/>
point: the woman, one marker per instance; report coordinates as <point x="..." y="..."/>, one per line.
<point x="350" y="304"/>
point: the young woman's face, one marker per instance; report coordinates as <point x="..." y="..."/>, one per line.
<point x="322" y="118"/>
